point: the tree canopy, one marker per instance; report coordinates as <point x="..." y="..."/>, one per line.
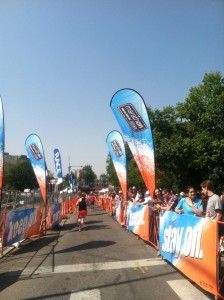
<point x="87" y="176"/>
<point x="19" y="175"/>
<point x="188" y="139"/>
<point x="134" y="177"/>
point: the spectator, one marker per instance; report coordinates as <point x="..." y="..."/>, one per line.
<point x="121" y="196"/>
<point x="221" y="245"/>
<point x="157" y="199"/>
<point x="190" y="205"/>
<point x="222" y="196"/>
<point x="182" y="195"/>
<point x="204" y="200"/>
<point x="113" y="203"/>
<point x="214" y="205"/>
<point x="222" y="199"/>
<point x="139" y="198"/>
<point x="169" y="201"/>
<point x="129" y="194"/>
<point x="134" y="193"/>
<point x="147" y="200"/>
<point x="138" y="194"/>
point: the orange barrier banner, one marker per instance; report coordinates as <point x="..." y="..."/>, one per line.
<point x="138" y="220"/>
<point x="190" y="244"/>
<point x="54" y="216"/>
<point x="68" y="207"/>
<point x="107" y="205"/>
<point x="119" y="212"/>
<point x="21" y="224"/>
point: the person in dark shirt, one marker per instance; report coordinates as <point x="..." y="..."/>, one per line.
<point x="82" y="210"/>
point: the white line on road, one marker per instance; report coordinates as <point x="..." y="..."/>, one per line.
<point x="185" y="290"/>
<point x="93" y="267"/>
<point x="86" y="295"/>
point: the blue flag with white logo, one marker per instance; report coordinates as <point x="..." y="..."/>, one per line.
<point x="58" y="166"/>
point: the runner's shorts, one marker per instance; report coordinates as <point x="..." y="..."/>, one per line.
<point x="82" y="213"/>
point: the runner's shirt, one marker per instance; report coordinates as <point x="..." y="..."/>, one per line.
<point x="92" y="198"/>
<point x="82" y="204"/>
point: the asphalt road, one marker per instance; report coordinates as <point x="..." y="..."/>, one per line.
<point x="103" y="261"/>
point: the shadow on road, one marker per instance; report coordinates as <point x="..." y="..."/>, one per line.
<point x="95" y="227"/>
<point x="64" y="227"/>
<point x="89" y="245"/>
<point x="93" y="222"/>
<point x="88" y="214"/>
<point x="10" y="279"/>
<point x="34" y="246"/>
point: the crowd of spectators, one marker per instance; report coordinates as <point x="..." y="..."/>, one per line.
<point x="191" y="202"/>
<point x="205" y="203"/>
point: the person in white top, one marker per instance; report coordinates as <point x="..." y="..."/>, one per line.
<point x="147" y="200"/>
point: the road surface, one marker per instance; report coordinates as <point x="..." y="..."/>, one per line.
<point x="102" y="262"/>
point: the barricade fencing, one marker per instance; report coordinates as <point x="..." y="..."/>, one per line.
<point x="189" y="243"/>
<point x="24" y="215"/>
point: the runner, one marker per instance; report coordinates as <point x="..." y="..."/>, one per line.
<point x="92" y="200"/>
<point x="82" y="210"/>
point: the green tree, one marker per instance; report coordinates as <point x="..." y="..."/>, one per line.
<point x="133" y="174"/>
<point x="134" y="177"/>
<point x="168" y="137"/>
<point x="103" y="180"/>
<point x="188" y="139"/>
<point x="202" y="116"/>
<point x="19" y="175"/>
<point x="111" y="172"/>
<point x="87" y="176"/>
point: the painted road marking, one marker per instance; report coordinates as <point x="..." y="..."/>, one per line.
<point x="185" y="290"/>
<point x="86" y="295"/>
<point x="138" y="267"/>
<point x="115" y="265"/>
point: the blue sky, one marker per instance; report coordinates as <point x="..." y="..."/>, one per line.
<point x="61" y="61"/>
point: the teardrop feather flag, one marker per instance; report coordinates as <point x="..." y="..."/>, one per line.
<point x="130" y="111"/>
<point x="58" y="166"/>
<point x="2" y="147"/>
<point x="115" y="144"/>
<point x="35" y="153"/>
